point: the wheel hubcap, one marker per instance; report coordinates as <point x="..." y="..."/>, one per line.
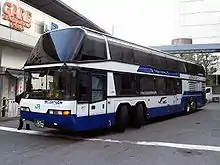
<point x="193" y="105"/>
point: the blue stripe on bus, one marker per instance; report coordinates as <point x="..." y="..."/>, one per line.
<point x="71" y="122"/>
<point x="75" y="123"/>
<point x="146" y="69"/>
<point x="162" y="111"/>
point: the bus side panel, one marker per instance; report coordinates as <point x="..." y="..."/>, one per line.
<point x="155" y="105"/>
<point x="162" y="106"/>
<point x="94" y="122"/>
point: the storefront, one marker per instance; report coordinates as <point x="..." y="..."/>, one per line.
<point x="20" y="27"/>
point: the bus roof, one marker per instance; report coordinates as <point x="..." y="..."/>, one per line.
<point x="155" y="51"/>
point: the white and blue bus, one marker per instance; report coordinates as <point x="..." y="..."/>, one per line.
<point x="79" y="79"/>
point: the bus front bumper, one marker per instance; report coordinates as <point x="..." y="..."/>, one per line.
<point x="50" y="120"/>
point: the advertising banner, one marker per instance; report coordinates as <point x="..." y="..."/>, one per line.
<point x="16" y="15"/>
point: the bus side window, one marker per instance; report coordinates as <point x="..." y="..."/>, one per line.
<point x="98" y="87"/>
<point x="93" y="49"/>
<point x="170" y="86"/>
<point x="83" y="87"/>
<point x="125" y="84"/>
<point x="147" y="85"/>
<point x="178" y="87"/>
<point x="161" y="85"/>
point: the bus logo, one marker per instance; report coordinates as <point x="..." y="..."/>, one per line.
<point x="37" y="106"/>
<point x="163" y="100"/>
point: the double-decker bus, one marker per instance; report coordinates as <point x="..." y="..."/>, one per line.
<point x="80" y="79"/>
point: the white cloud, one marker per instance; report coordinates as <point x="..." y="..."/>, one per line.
<point x="146" y="22"/>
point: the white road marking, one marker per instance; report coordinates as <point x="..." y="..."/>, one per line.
<point x="140" y="143"/>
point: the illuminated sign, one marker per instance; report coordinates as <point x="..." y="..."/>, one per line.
<point x="18" y="17"/>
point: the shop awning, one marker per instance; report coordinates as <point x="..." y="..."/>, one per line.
<point x="15" y="73"/>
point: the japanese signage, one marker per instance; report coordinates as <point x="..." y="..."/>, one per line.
<point x="22" y="17"/>
<point x="48" y="26"/>
<point x="16" y="16"/>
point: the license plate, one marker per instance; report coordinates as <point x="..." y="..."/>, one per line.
<point x="39" y="123"/>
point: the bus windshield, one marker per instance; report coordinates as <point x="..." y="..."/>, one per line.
<point x="60" y="45"/>
<point x="51" y="84"/>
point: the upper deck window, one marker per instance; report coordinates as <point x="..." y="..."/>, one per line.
<point x="60" y="45"/>
<point x="120" y="52"/>
<point x="92" y="49"/>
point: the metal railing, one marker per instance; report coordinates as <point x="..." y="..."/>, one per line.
<point x="9" y="108"/>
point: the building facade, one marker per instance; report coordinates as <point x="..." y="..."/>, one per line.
<point x="200" y="20"/>
<point x="20" y="27"/>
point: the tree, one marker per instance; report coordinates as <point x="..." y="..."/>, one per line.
<point x="207" y="60"/>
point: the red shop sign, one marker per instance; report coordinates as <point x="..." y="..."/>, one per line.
<point x="18" y="17"/>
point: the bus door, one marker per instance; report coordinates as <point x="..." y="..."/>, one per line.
<point x="97" y="104"/>
<point x="91" y="95"/>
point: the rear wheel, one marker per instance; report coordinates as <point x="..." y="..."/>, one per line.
<point x="193" y="105"/>
<point x="121" y="118"/>
<point x="190" y="106"/>
<point x="138" y="116"/>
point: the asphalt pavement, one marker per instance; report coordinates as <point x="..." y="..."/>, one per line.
<point x="192" y="139"/>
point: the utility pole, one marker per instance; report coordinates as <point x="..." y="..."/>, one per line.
<point x="113" y="29"/>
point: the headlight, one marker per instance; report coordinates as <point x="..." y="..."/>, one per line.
<point x="24" y="109"/>
<point x="59" y="112"/>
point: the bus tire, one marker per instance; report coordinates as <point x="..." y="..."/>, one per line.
<point x="121" y="118"/>
<point x="139" y="115"/>
<point x="187" y="108"/>
<point x="193" y="105"/>
<point x="190" y="106"/>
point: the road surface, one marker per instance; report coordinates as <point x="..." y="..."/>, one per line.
<point x="192" y="139"/>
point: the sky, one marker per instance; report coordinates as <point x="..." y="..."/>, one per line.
<point x="145" y="22"/>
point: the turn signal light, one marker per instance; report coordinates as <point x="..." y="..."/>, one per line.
<point x="66" y="113"/>
<point x="59" y="112"/>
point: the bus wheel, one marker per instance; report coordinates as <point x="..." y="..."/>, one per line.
<point x="191" y="106"/>
<point x="121" y="118"/>
<point x="188" y="108"/>
<point x="139" y="116"/>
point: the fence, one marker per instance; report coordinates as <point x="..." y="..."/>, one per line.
<point x="9" y="109"/>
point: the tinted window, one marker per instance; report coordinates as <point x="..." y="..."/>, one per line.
<point x="93" y="49"/>
<point x="190" y="69"/>
<point x="200" y="70"/>
<point x="147" y="85"/>
<point x="158" y="62"/>
<point x="172" y="65"/>
<point x="161" y="85"/>
<point x="60" y="45"/>
<point x="83" y="87"/>
<point x="98" y="87"/>
<point x="121" y="53"/>
<point x="182" y="67"/>
<point x="178" y="86"/>
<point x="125" y="84"/>
<point x="170" y="86"/>
<point x="142" y="58"/>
